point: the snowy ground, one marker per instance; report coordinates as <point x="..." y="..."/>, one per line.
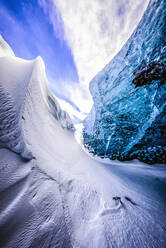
<point x="62" y="197"/>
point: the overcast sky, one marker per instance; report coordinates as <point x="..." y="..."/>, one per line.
<point x="75" y="38"/>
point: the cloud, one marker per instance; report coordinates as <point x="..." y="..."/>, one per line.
<point x="54" y="16"/>
<point x="75" y="99"/>
<point x="95" y="31"/>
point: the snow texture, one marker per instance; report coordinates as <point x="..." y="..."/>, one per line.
<point x="128" y="118"/>
<point x="52" y="193"/>
<point x="14" y="87"/>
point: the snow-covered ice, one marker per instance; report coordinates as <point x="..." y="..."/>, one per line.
<point x="52" y="193"/>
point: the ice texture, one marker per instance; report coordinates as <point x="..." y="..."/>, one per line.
<point x="128" y="118"/>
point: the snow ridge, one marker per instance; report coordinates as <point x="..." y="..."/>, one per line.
<point x="15" y="90"/>
<point x="5" y="48"/>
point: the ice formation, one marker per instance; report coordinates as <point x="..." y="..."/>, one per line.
<point x="52" y="193"/>
<point x="128" y="118"/>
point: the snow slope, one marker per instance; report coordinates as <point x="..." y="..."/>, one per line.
<point x="53" y="194"/>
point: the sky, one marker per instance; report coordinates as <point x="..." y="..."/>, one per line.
<point x="75" y="38"/>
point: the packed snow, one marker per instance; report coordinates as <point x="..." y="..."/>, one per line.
<point x="52" y="192"/>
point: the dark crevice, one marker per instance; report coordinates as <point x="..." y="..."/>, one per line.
<point x="146" y="75"/>
<point x="131" y="201"/>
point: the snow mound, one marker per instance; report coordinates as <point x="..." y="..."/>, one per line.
<point x="14" y="89"/>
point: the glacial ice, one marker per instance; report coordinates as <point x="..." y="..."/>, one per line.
<point x="59" y="196"/>
<point x="128" y="118"/>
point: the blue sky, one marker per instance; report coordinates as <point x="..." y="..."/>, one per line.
<point x="28" y="30"/>
<point x="75" y="38"/>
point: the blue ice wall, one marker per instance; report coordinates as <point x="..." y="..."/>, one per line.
<point x="128" y="118"/>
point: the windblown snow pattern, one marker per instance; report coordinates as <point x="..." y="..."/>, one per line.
<point x="52" y="193"/>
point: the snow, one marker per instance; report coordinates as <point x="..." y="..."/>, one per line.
<point x="60" y="196"/>
<point x="5" y="48"/>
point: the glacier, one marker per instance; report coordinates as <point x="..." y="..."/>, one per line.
<point x="128" y="117"/>
<point x="53" y="193"/>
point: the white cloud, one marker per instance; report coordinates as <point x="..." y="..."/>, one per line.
<point x="95" y="31"/>
<point x="54" y="17"/>
<point x="75" y="93"/>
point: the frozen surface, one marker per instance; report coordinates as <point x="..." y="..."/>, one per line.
<point x="128" y="118"/>
<point x="58" y="196"/>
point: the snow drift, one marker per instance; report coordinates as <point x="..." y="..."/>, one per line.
<point x="15" y="86"/>
<point x="53" y="194"/>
